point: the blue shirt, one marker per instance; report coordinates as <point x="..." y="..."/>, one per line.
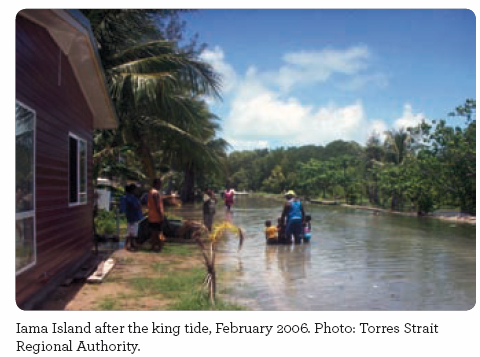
<point x="133" y="208"/>
<point x="295" y="213"/>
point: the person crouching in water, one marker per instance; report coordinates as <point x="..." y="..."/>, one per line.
<point x="293" y="212"/>
<point x="156" y="216"/>
<point x="307" y="228"/>
<point x="281" y="230"/>
<point x="133" y="213"/>
<point x="271" y="233"/>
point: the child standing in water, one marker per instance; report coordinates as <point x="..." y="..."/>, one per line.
<point x="270" y="233"/>
<point x="307" y="228"/>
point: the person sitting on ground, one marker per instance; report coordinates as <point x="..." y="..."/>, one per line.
<point x="133" y="213"/>
<point x="270" y="233"/>
<point x="307" y="228"/>
<point x="156" y="216"/>
<point x="294" y="214"/>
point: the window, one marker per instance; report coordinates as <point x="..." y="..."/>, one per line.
<point x="77" y="170"/>
<point x="25" y="244"/>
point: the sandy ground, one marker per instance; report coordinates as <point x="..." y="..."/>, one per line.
<point x="81" y="295"/>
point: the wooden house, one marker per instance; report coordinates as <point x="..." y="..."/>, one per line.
<point x="61" y="97"/>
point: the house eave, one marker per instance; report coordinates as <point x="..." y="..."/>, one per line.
<point x="72" y="33"/>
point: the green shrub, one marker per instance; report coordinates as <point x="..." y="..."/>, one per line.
<point x="106" y="222"/>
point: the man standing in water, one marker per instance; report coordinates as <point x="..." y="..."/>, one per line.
<point x="156" y="215"/>
<point x="293" y="212"/>
<point x="209" y="202"/>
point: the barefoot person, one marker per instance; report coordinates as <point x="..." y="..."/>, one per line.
<point x="156" y="215"/>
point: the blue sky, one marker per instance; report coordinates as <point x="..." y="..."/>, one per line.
<point x="295" y="77"/>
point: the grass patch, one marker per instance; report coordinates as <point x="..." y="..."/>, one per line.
<point x="170" y="285"/>
<point x="109" y="304"/>
<point x="165" y="266"/>
<point x="182" y="250"/>
<point x="199" y="301"/>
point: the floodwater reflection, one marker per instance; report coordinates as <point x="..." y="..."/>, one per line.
<point x="355" y="261"/>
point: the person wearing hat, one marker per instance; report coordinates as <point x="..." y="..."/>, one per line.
<point x="294" y="215"/>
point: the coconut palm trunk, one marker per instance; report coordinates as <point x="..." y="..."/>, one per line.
<point x="188" y="194"/>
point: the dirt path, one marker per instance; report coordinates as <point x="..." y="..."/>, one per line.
<point x="119" y="290"/>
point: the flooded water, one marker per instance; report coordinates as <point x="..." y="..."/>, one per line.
<point x="355" y="261"/>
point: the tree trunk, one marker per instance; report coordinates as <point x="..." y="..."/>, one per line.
<point x="188" y="194"/>
<point x="134" y="137"/>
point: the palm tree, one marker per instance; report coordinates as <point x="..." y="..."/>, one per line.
<point x="186" y="156"/>
<point x="374" y="155"/>
<point x="397" y="145"/>
<point x="112" y="158"/>
<point x="151" y="80"/>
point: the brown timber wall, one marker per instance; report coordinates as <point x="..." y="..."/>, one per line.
<point x="45" y="82"/>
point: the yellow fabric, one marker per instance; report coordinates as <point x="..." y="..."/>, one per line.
<point x="271" y="232"/>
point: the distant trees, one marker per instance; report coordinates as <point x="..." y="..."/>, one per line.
<point x="448" y="156"/>
<point x="418" y="168"/>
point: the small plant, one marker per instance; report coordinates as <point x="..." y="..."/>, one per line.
<point x="214" y="237"/>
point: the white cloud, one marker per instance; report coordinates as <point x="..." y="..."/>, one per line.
<point x="317" y="67"/>
<point x="360" y="81"/>
<point x="261" y="111"/>
<point x="247" y="144"/>
<point x="408" y="118"/>
<point x="217" y="59"/>
<point x="257" y="112"/>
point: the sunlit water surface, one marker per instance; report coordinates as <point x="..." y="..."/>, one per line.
<point x="355" y="261"/>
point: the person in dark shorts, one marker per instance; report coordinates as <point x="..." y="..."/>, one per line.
<point x="156" y="216"/>
<point x="293" y="212"/>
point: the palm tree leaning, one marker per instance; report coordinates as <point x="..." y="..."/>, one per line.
<point x="151" y="81"/>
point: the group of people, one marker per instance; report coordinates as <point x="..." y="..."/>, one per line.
<point x="292" y="222"/>
<point x="209" y="204"/>
<point x="132" y="208"/>
<point x="131" y="205"/>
